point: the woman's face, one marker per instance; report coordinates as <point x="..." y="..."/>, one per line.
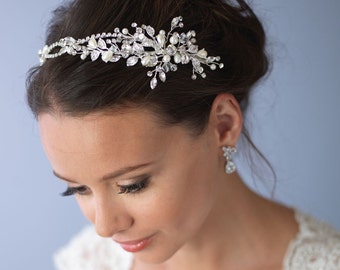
<point x="149" y="187"/>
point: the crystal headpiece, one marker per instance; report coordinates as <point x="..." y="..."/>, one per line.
<point x="162" y="51"/>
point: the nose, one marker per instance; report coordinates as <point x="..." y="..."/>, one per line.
<point x="111" y="218"/>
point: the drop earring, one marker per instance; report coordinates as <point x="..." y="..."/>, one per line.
<point x="230" y="166"/>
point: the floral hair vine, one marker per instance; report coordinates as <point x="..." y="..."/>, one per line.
<point x="162" y="51"/>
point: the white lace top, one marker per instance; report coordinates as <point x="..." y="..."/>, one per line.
<point x="316" y="247"/>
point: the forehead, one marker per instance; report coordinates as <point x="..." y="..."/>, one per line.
<point x="104" y="140"/>
<point x="93" y="130"/>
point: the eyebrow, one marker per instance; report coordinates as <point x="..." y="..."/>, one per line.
<point x="108" y="176"/>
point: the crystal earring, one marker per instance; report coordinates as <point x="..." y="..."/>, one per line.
<point x="230" y="166"/>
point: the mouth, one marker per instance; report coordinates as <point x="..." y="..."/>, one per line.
<point x="135" y="245"/>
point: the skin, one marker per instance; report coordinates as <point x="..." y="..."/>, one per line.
<point x="198" y="217"/>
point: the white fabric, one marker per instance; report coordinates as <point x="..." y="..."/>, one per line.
<point x="316" y="247"/>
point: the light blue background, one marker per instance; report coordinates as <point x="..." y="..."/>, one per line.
<point x="295" y="121"/>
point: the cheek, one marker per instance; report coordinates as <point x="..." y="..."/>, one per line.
<point x="87" y="207"/>
<point x="182" y="198"/>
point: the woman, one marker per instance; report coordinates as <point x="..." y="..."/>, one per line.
<point x="140" y="106"/>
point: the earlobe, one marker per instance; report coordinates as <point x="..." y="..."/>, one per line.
<point x="226" y="119"/>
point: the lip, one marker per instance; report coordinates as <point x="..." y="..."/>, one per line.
<point x="135" y="245"/>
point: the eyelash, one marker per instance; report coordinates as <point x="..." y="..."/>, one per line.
<point x="74" y="190"/>
<point x="135" y="187"/>
<point x="132" y="188"/>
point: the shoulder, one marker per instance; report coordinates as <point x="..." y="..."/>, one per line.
<point x="317" y="246"/>
<point x="88" y="251"/>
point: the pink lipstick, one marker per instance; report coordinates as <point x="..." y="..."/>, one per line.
<point x="135" y="246"/>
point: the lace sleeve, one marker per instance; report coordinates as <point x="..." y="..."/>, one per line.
<point x="87" y="251"/>
<point x="316" y="247"/>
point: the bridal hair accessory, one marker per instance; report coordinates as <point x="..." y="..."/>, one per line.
<point x="230" y="166"/>
<point x="162" y="51"/>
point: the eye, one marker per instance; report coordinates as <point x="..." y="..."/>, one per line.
<point x="82" y="190"/>
<point x="135" y="187"/>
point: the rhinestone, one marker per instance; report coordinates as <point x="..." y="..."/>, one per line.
<point x="125" y="31"/>
<point x="185" y="59"/>
<point x="213" y="67"/>
<point x="230" y="167"/>
<point x="166" y="58"/>
<point x="173" y="67"/>
<point x="171" y="50"/>
<point x="138" y="48"/>
<point x="174" y="40"/>
<point x="193" y="48"/>
<point x="149" y="73"/>
<point x="166" y="67"/>
<point x="194" y="77"/>
<point x="221" y="65"/>
<point x="153" y="61"/>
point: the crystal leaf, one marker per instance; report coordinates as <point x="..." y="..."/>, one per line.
<point x="161" y="39"/>
<point x="153" y="83"/>
<point x="106" y="56"/>
<point x="147" y="42"/>
<point x="177" y="58"/>
<point x="150" y="30"/>
<point x="94" y="55"/>
<point x="162" y="76"/>
<point x="146" y="60"/>
<point x="131" y="61"/>
<point x="175" y="21"/>
<point x="62" y="50"/>
<point x="115" y="58"/>
<point x="92" y="43"/>
<point x="202" y="53"/>
<point x="101" y="44"/>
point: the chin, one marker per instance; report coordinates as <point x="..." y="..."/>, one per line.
<point x="154" y="256"/>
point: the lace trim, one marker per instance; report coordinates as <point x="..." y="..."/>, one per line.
<point x="316" y="247"/>
<point x="88" y="251"/>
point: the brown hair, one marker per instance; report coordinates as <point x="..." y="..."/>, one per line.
<point x="229" y="29"/>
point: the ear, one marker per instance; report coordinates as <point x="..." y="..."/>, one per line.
<point x="226" y="120"/>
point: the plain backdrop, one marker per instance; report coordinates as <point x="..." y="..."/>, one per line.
<point x="294" y="120"/>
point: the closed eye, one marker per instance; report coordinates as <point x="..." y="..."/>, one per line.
<point x="81" y="190"/>
<point x="135" y="187"/>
